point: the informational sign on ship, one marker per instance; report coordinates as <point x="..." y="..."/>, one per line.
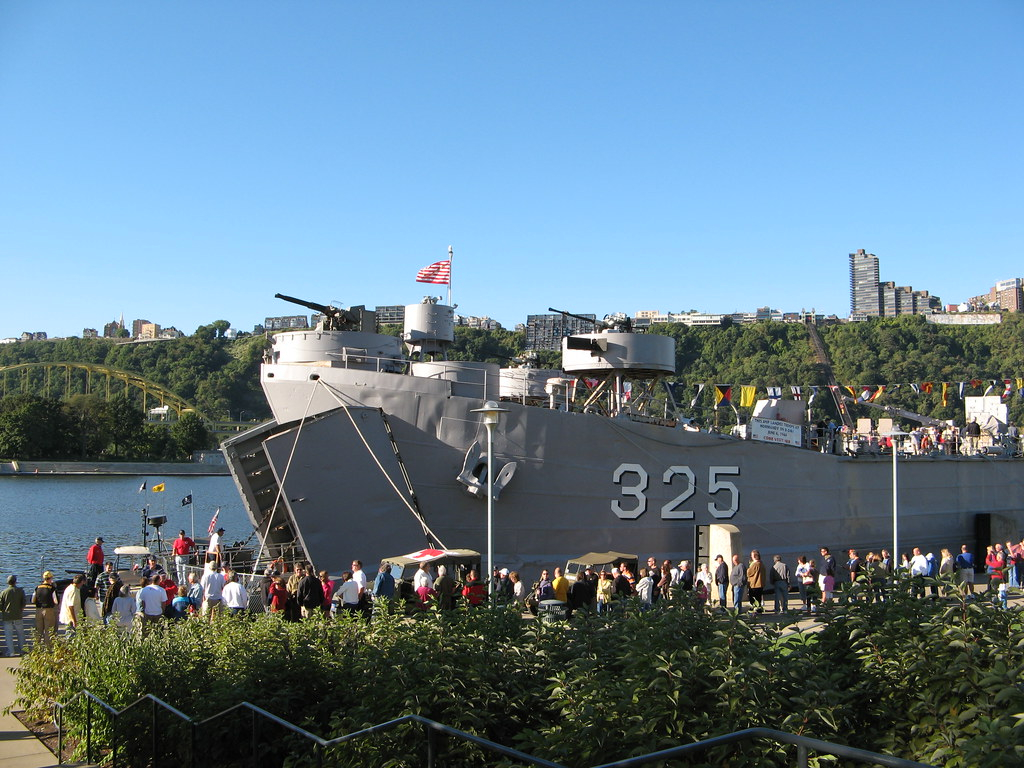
<point x="990" y="411"/>
<point x="775" y="431"/>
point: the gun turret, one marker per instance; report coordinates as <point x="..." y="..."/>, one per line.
<point x="334" y="318"/>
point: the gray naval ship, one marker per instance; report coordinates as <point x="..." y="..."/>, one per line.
<point x="376" y="450"/>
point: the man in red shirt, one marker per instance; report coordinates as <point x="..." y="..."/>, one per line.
<point x="95" y="560"/>
<point x="182" y="548"/>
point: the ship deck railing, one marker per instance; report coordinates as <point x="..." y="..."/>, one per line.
<point x="189" y="752"/>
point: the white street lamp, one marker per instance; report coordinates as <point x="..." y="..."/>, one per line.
<point x="491" y="413"/>
<point x="895" y="433"/>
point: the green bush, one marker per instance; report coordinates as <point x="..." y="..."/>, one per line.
<point x="934" y="680"/>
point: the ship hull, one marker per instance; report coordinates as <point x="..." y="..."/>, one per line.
<point x="366" y="464"/>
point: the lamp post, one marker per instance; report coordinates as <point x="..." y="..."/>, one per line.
<point x="895" y="433"/>
<point x="491" y="413"/>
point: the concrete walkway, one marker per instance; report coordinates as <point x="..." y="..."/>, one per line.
<point x="19" y="748"/>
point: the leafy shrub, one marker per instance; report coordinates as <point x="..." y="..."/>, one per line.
<point x="936" y="680"/>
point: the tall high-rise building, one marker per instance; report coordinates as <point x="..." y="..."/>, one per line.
<point x="390" y="314"/>
<point x="865" y="293"/>
<point x="546" y="331"/>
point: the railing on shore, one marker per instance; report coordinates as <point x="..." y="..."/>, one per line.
<point x="431" y="729"/>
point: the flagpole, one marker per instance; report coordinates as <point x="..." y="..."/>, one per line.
<point x="451" y="255"/>
<point x="192" y="513"/>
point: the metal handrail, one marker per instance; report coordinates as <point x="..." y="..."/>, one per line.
<point x="59" y="720"/>
<point x="804" y="744"/>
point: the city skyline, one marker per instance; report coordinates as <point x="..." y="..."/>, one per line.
<point x="634" y="313"/>
<point x="639" y="314"/>
<point x="186" y="162"/>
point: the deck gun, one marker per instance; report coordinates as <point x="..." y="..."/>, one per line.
<point x="598" y="346"/>
<point x="893" y="411"/>
<point x="334" y="318"/>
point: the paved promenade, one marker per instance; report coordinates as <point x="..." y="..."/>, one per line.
<point x="19" y="748"/>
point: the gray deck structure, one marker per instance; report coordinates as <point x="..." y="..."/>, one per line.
<point x="372" y="454"/>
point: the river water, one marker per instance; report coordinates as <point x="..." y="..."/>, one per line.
<point x="48" y="523"/>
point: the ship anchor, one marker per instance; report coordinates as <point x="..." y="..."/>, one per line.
<point x="474" y="473"/>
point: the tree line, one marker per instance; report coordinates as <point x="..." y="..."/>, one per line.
<point x="902" y="351"/>
<point x="220" y="376"/>
<point x="47" y="417"/>
<point x="89" y="427"/>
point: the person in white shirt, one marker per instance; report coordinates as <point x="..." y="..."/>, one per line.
<point x="236" y="598"/>
<point x="645" y="588"/>
<point x="71" y="612"/>
<point x="151" y="600"/>
<point x="213" y="587"/>
<point x="123" y="608"/>
<point x="918" y="564"/>
<point x="918" y="570"/>
<point x="422" y="579"/>
<point x="215" y="550"/>
<point x="348" y="593"/>
<point x="358" y="576"/>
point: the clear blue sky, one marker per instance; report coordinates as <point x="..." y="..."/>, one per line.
<point x="182" y="162"/>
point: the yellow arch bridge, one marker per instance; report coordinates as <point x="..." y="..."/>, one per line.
<point x="67" y="379"/>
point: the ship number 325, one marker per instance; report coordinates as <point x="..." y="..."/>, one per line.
<point x="634" y="481"/>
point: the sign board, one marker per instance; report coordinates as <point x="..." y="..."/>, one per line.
<point x="990" y="411"/>
<point x="774" y="431"/>
<point x="783" y="410"/>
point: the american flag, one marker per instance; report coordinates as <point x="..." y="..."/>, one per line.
<point x="439" y="272"/>
<point x="213" y="522"/>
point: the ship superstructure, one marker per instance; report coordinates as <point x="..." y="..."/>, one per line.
<point x="374" y="450"/>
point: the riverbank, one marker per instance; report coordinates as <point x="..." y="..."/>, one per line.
<point x="170" y="469"/>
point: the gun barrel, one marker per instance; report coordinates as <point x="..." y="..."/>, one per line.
<point x="591" y="320"/>
<point x="311" y="304"/>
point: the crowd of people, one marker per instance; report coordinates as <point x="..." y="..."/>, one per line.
<point x="102" y="594"/>
<point x="811" y="582"/>
<point x="969" y="439"/>
<point x="301" y="592"/>
<point x="304" y="593"/>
